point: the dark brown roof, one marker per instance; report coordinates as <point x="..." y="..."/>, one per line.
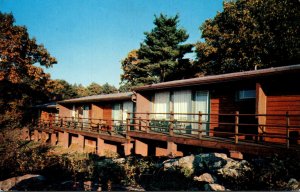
<point x="211" y="79"/>
<point x="46" y="105"/>
<point x="106" y="97"/>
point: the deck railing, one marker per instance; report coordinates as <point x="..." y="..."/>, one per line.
<point x="260" y="128"/>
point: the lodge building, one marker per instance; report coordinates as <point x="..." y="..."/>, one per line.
<point x="250" y="112"/>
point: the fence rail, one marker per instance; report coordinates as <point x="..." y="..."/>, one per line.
<point x="263" y="128"/>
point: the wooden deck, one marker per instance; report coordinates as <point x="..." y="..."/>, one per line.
<point x="143" y="127"/>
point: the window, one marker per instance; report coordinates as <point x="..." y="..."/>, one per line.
<point x="73" y="111"/>
<point x="247" y="94"/>
<point x="85" y="114"/>
<point x="127" y="107"/>
<point x="182" y="101"/>
<point x="161" y="104"/>
<point x="201" y="105"/>
<point x="117" y="112"/>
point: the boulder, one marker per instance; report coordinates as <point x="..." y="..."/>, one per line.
<point x="206" y="177"/>
<point x="200" y="163"/>
<point x="235" y="169"/>
<point x="183" y="162"/>
<point x="293" y="184"/>
<point x="214" y="187"/>
<point x="119" y="160"/>
<point x="210" y="162"/>
<point x="24" y="182"/>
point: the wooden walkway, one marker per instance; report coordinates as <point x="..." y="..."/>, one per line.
<point x="170" y="130"/>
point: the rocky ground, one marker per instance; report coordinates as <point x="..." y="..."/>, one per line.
<point x="205" y="171"/>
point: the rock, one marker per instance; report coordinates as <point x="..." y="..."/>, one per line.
<point x="199" y="163"/>
<point x="119" y="160"/>
<point x="235" y="169"/>
<point x="214" y="187"/>
<point x="135" y="188"/>
<point x="87" y="185"/>
<point x="187" y="161"/>
<point x="206" y="177"/>
<point x="210" y="162"/>
<point x="293" y="184"/>
<point x="21" y="183"/>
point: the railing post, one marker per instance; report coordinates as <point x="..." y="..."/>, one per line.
<point x="128" y="122"/>
<point x="200" y="125"/>
<point x="98" y="125"/>
<point x="287" y="119"/>
<point x="147" y="122"/>
<point x="61" y="121"/>
<point x="236" y="130"/>
<point x="171" y="126"/>
<point x="140" y="123"/>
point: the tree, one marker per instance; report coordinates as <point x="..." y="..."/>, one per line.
<point x="107" y="89"/>
<point x="249" y="34"/>
<point x="160" y="55"/>
<point x="62" y="90"/>
<point x="81" y="91"/>
<point x="22" y="83"/>
<point x="133" y="73"/>
<point x="94" y="89"/>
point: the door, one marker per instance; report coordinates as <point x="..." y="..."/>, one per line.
<point x="117" y="114"/>
<point x="182" y="103"/>
<point x="127" y="107"/>
<point x="86" y="115"/>
<point x="202" y="105"/>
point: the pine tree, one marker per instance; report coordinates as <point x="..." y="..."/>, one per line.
<point x="161" y="52"/>
<point x="160" y="57"/>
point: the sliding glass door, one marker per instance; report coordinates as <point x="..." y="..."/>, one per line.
<point x="201" y="104"/>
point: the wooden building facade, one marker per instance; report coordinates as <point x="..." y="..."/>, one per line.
<point x="110" y="108"/>
<point x="264" y="99"/>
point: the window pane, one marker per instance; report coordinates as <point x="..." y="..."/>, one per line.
<point x="127" y="107"/>
<point x="182" y="103"/>
<point x="201" y="103"/>
<point x="117" y="114"/>
<point x="247" y="94"/>
<point x="161" y="104"/>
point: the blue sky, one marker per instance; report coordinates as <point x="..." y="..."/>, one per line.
<point x="89" y="38"/>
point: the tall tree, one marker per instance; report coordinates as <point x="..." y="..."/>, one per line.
<point x="249" y="34"/>
<point x="94" y="89"/>
<point x="161" y="54"/>
<point x="21" y="82"/>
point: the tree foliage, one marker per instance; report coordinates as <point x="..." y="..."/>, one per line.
<point x="160" y="56"/>
<point x="107" y="89"/>
<point x="21" y="82"/>
<point x="133" y="73"/>
<point x="249" y="33"/>
<point x="63" y="90"/>
<point x="94" y="89"/>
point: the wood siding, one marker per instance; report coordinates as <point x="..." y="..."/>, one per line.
<point x="224" y="100"/>
<point x="96" y="112"/>
<point x="64" y="111"/>
<point x="278" y="104"/>
<point x="107" y="113"/>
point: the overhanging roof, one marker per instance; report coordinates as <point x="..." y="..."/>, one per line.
<point x="211" y="79"/>
<point x="95" y="98"/>
<point x="51" y="105"/>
